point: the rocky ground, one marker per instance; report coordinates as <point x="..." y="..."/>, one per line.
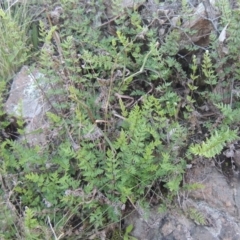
<point x="216" y="204"/>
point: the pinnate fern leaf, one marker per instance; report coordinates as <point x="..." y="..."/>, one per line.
<point x="197" y="216"/>
<point x="215" y="144"/>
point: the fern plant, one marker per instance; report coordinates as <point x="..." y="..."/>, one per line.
<point x="134" y="161"/>
<point x="119" y="100"/>
<point x="214" y="145"/>
<point x="196" y="216"/>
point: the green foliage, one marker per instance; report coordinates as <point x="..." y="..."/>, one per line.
<point x="193" y="186"/>
<point x="215" y="144"/>
<point x="127" y="231"/>
<point x="13" y="36"/>
<point x="193" y="75"/>
<point x="118" y="235"/>
<point x="225" y="8"/>
<point x="14" y="49"/>
<point x="121" y="105"/>
<point x="196" y="216"/>
<point x="230" y="115"/>
<point x="30" y="223"/>
<point x="133" y="160"/>
<point x="207" y="69"/>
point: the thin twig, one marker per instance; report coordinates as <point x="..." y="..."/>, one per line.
<point x="49" y="222"/>
<point x="55" y="236"/>
<point x="111" y="20"/>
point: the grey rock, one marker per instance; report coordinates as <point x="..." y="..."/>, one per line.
<point x="27" y="100"/>
<point x="216" y="202"/>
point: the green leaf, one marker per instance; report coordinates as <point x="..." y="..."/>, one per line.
<point x="129" y="228"/>
<point x="215" y="144"/>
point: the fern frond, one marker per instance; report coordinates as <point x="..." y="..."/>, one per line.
<point x="197" y="216"/>
<point x="231" y="115"/>
<point x="29" y="220"/>
<point x="215" y="144"/>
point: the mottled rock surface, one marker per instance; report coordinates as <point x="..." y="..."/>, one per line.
<point x="218" y="202"/>
<point x="27" y="100"/>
